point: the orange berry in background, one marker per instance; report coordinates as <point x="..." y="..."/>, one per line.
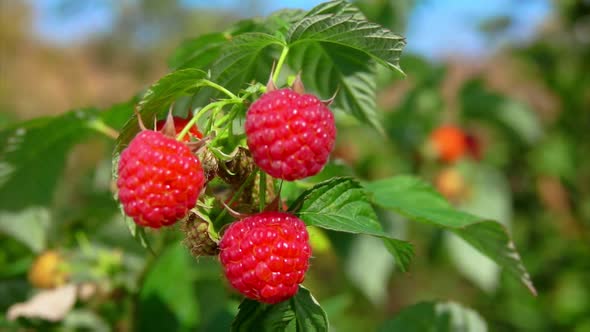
<point x="451" y="184"/>
<point x="47" y="270"/>
<point x="449" y="143"/>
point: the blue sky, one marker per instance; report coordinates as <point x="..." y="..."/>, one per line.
<point x="436" y="27"/>
<point x="439" y="27"/>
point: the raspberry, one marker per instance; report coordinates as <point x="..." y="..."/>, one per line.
<point x="289" y="134"/>
<point x="449" y="143"/>
<point x="159" y="179"/>
<point x="179" y="124"/>
<point x="265" y="256"/>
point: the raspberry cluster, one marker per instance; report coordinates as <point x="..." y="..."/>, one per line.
<point x="265" y="256"/>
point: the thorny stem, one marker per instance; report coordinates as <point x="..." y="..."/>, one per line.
<point x="218" y="104"/>
<point x="222" y="89"/>
<point x="229" y="128"/>
<point x="212" y="116"/>
<point x="194" y="120"/>
<point x="262" y="190"/>
<point x="282" y="58"/>
<point x="233" y="100"/>
<point x="236" y="195"/>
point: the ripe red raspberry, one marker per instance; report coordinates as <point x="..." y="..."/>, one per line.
<point x="265" y="256"/>
<point x="289" y="134"/>
<point x="449" y="143"/>
<point x="179" y="124"/>
<point x="159" y="179"/>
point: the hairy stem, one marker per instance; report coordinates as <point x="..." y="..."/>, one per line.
<point x="194" y="120"/>
<point x="282" y="58"/>
<point x="236" y="195"/>
<point x="222" y="89"/>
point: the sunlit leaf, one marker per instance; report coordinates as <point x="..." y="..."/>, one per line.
<point x="248" y="57"/>
<point x="335" y="48"/>
<point x="417" y="200"/>
<point x="341" y="204"/>
<point x="199" y="52"/>
<point x="349" y="31"/>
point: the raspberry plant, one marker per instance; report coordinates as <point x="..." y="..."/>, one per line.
<point x="256" y="160"/>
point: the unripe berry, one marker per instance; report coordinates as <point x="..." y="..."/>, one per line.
<point x="47" y="270"/>
<point x="197" y="236"/>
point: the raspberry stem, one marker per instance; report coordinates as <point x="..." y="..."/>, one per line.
<point x="262" y="193"/>
<point x="222" y="89"/>
<point x="194" y="120"/>
<point x="218" y="104"/>
<point x="236" y="195"/>
<point x="282" y="58"/>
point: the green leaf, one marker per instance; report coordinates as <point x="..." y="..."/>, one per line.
<point x="341" y="204"/>
<point x="28" y="226"/>
<point x="489" y="197"/>
<point x="33" y="156"/>
<point x="301" y="313"/>
<point x="338" y="204"/>
<point x="117" y="115"/>
<point x="198" y="52"/>
<point x="277" y="22"/>
<point x="328" y="69"/>
<point x="436" y="317"/>
<point x="349" y="31"/>
<point x="336" y="8"/>
<point x="158" y="98"/>
<point x="167" y="300"/>
<point x="335" y="48"/>
<point x="417" y="200"/>
<point x="402" y="251"/>
<point x="248" y="57"/>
